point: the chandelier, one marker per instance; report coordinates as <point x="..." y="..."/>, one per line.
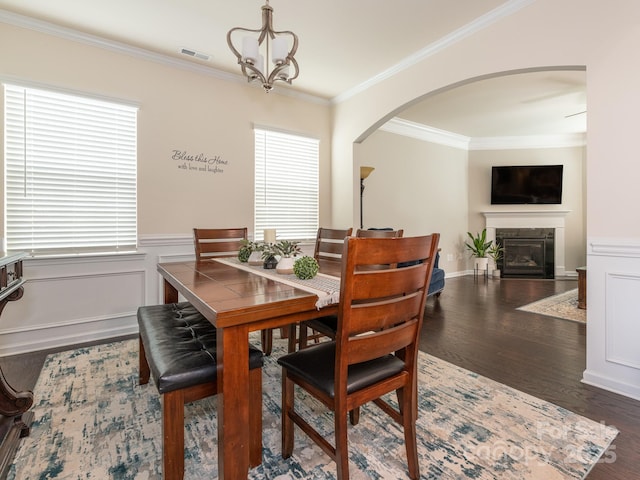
<point x="266" y="43"/>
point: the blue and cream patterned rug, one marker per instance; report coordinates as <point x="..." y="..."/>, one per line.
<point x="93" y="421"/>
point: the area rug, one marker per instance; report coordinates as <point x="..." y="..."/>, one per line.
<point x="563" y="305"/>
<point x="92" y="421"/>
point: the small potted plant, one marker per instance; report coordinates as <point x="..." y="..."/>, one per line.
<point x="269" y="260"/>
<point x="246" y="250"/>
<point x="255" y="257"/>
<point x="288" y="251"/>
<point x="479" y="247"/>
<point x="306" y="268"/>
<point x="495" y="253"/>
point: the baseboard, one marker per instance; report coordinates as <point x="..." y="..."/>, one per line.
<point x="54" y="336"/>
<point x="595" y="380"/>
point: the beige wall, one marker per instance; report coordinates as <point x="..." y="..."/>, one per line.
<point x="180" y="109"/>
<point x="424" y="187"/>
<point x="548" y="34"/>
<point x="420" y="187"/>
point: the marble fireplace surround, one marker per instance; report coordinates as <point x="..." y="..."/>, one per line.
<point x="532" y="219"/>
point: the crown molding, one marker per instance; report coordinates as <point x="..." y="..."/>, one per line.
<point x="141" y="53"/>
<point x="529" y="141"/>
<point x="439" y="45"/>
<point x="426" y="133"/>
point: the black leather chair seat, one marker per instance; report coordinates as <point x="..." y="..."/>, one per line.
<point x="180" y="345"/>
<point x="316" y="365"/>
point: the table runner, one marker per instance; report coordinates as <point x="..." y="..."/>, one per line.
<point x="326" y="287"/>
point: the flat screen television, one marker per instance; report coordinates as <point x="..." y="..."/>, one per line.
<point x="526" y="184"/>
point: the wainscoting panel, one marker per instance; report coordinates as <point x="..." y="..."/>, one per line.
<point x="613" y="315"/>
<point x="73" y="300"/>
<point x="78" y="299"/>
<point x="64" y="299"/>
<point x="623" y="321"/>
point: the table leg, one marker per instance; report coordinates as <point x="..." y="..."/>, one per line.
<point x="170" y="293"/>
<point x="233" y="402"/>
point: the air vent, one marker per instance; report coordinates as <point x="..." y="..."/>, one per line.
<point x="193" y="53"/>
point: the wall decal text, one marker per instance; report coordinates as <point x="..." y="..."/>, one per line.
<point x="199" y="162"/>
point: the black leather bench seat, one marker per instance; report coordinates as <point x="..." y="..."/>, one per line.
<point x="180" y="346"/>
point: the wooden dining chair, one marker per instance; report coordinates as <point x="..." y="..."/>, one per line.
<point x="213" y="243"/>
<point x="218" y="242"/>
<point x="379" y="233"/>
<point x="328" y="254"/>
<point x="329" y="244"/>
<point x="376" y="346"/>
<point x="326" y="326"/>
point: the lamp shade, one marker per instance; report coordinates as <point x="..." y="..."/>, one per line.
<point x="365" y="172"/>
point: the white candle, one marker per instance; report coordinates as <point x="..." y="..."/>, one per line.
<point x="278" y="50"/>
<point x="250" y="49"/>
<point x="260" y="63"/>
<point x="270" y="235"/>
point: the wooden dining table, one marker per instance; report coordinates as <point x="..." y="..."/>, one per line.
<point x="238" y="302"/>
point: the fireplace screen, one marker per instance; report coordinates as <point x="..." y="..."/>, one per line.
<point x="524" y="256"/>
<point x="528" y="252"/>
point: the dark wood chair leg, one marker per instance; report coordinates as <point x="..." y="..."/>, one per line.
<point x="266" y="337"/>
<point x="287" y="423"/>
<point x="409" y="423"/>
<point x="341" y="445"/>
<point x="173" y="435"/>
<point x="354" y="416"/>
<point x="144" y="372"/>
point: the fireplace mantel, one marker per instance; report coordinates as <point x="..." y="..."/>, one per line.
<point x="532" y="219"/>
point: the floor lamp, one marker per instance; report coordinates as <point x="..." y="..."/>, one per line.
<point x="364" y="173"/>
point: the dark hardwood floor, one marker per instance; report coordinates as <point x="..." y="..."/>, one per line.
<point x="475" y="324"/>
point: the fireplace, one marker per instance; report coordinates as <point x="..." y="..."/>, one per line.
<point x="524" y="221"/>
<point x="528" y="252"/>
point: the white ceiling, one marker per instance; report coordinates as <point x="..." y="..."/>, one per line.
<point x="344" y="45"/>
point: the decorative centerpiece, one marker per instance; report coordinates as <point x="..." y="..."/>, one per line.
<point x="269" y="260"/>
<point x="287" y="251"/>
<point x="306" y="268"/>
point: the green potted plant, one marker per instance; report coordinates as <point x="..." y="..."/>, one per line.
<point x="306" y="267"/>
<point x="246" y="250"/>
<point x="255" y="257"/>
<point x="269" y="260"/>
<point x="495" y="253"/>
<point x="479" y="247"/>
<point x="288" y="251"/>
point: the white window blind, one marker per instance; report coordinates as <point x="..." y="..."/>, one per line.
<point x="286" y="185"/>
<point x="70" y="173"/>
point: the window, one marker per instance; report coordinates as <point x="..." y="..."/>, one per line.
<point x="70" y="173"/>
<point x="286" y="185"/>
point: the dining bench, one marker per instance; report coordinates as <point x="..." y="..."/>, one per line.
<point x="178" y="348"/>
